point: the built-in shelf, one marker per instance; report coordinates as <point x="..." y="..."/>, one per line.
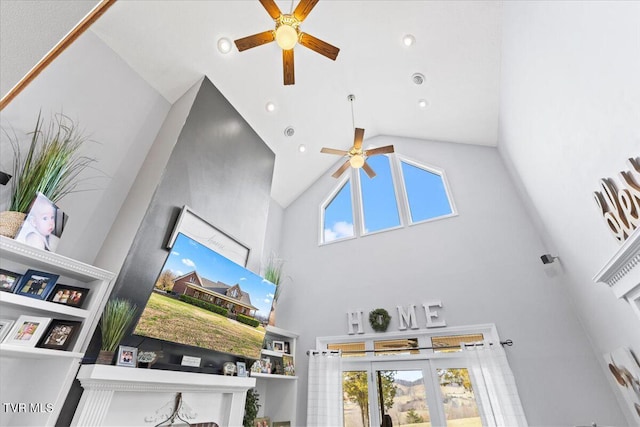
<point x="622" y="272"/>
<point x="7" y="350"/>
<point x="274" y="376"/>
<point x="274" y="353"/>
<point x="44" y="306"/>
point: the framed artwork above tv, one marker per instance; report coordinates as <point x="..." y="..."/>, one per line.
<point x="197" y="228"/>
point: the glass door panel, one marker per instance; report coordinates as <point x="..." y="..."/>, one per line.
<point x="355" y="387"/>
<point x="402" y="398"/>
<point x="458" y="399"/>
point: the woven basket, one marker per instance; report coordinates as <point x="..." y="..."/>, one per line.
<point x="10" y="223"/>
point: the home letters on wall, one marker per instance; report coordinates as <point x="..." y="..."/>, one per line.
<point x="406" y="317"/>
<point x="621" y="209"/>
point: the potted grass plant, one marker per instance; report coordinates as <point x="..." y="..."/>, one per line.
<point x="51" y="165"/>
<point x="116" y="319"/>
<point x="273" y="273"/>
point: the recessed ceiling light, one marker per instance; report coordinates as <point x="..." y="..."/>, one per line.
<point x="289" y="131"/>
<point x="270" y="107"/>
<point x="417" y="78"/>
<point x="302" y="148"/>
<point x="408" y="40"/>
<point x="423" y="103"/>
<point x="224" y="45"/>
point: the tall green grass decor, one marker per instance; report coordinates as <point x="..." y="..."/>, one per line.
<point x="52" y="163"/>
<point x="116" y="319"/>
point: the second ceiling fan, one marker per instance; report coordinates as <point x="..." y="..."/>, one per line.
<point x="357" y="157"/>
<point x="287" y="34"/>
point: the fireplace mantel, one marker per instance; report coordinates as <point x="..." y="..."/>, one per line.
<point x="115" y="395"/>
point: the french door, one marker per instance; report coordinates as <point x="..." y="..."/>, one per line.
<point x="427" y="392"/>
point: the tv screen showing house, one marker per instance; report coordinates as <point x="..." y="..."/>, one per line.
<point x="203" y="299"/>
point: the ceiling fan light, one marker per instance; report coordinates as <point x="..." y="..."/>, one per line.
<point x="286" y="37"/>
<point x="356" y="161"/>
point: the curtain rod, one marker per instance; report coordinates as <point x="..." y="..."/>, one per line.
<point x="508" y="343"/>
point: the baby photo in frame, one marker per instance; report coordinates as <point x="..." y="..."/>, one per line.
<point x="262" y="422"/>
<point x="60" y="334"/>
<point x="27" y="331"/>
<point x="241" y="369"/>
<point x="68" y="295"/>
<point x="127" y="356"/>
<point x="36" y="284"/>
<point x="8" y="280"/>
<point x="43" y="225"/>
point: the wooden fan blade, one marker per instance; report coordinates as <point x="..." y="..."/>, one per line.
<point x="272" y="8"/>
<point x="317" y="45"/>
<point x="255" y="40"/>
<point x="334" y="151"/>
<point x="357" y="140"/>
<point x="303" y="9"/>
<point x="368" y="170"/>
<point x="341" y="169"/>
<point x="288" y="68"/>
<point x="380" y="150"/>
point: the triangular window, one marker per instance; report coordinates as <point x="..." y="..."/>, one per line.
<point x="337" y="215"/>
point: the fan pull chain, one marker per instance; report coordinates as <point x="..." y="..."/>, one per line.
<point x="352" y="98"/>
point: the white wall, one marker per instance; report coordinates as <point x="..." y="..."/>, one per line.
<point x="483" y="264"/>
<point x="118" y="110"/>
<point x="570" y="115"/>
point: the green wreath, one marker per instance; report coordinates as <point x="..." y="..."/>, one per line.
<point x="379" y="319"/>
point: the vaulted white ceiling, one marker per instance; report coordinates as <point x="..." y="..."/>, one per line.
<point x="457" y="49"/>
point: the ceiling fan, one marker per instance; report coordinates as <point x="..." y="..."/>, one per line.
<point x="287" y="34"/>
<point x="357" y="156"/>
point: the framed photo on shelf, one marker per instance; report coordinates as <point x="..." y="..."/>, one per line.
<point x="5" y="327"/>
<point x="68" y="295"/>
<point x="60" y="334"/>
<point x="36" y="284"/>
<point x="278" y="346"/>
<point x="43" y="225"/>
<point x="127" y="356"/>
<point x="289" y="368"/>
<point x="27" y="331"/>
<point x="241" y="369"/>
<point x="8" y="280"/>
<point x="287" y="347"/>
<point x="262" y="422"/>
<point x="281" y="424"/>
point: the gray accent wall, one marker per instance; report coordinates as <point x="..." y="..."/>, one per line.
<point x="484" y="265"/>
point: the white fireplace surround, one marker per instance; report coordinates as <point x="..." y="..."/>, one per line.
<point x="120" y="396"/>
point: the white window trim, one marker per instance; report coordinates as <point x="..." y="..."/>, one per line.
<point x="400" y="192"/>
<point x="405" y="197"/>
<point x="341" y="183"/>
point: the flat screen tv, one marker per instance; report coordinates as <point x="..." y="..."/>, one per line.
<point x="203" y="299"/>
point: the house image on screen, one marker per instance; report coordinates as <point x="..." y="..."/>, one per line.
<point x="218" y="293"/>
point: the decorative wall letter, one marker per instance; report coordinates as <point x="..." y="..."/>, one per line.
<point x="621" y="209"/>
<point x="433" y="314"/>
<point x="354" y="318"/>
<point x="407" y="318"/>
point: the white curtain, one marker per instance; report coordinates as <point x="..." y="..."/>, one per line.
<point x="324" y="401"/>
<point x="494" y="385"/>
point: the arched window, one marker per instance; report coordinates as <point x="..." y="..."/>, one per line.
<point x="403" y="192"/>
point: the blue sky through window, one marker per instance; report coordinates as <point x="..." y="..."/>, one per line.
<point x="426" y="193"/>
<point x="338" y="215"/>
<point x="378" y="196"/>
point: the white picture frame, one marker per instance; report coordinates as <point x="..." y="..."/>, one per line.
<point x="197" y="228"/>
<point x="27" y="331"/>
<point x="278" y="346"/>
<point x="5" y="327"/>
<point x="241" y="369"/>
<point x="127" y="356"/>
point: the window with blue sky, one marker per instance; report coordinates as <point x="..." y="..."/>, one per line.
<point x="402" y="193"/>
<point x="338" y="215"/>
